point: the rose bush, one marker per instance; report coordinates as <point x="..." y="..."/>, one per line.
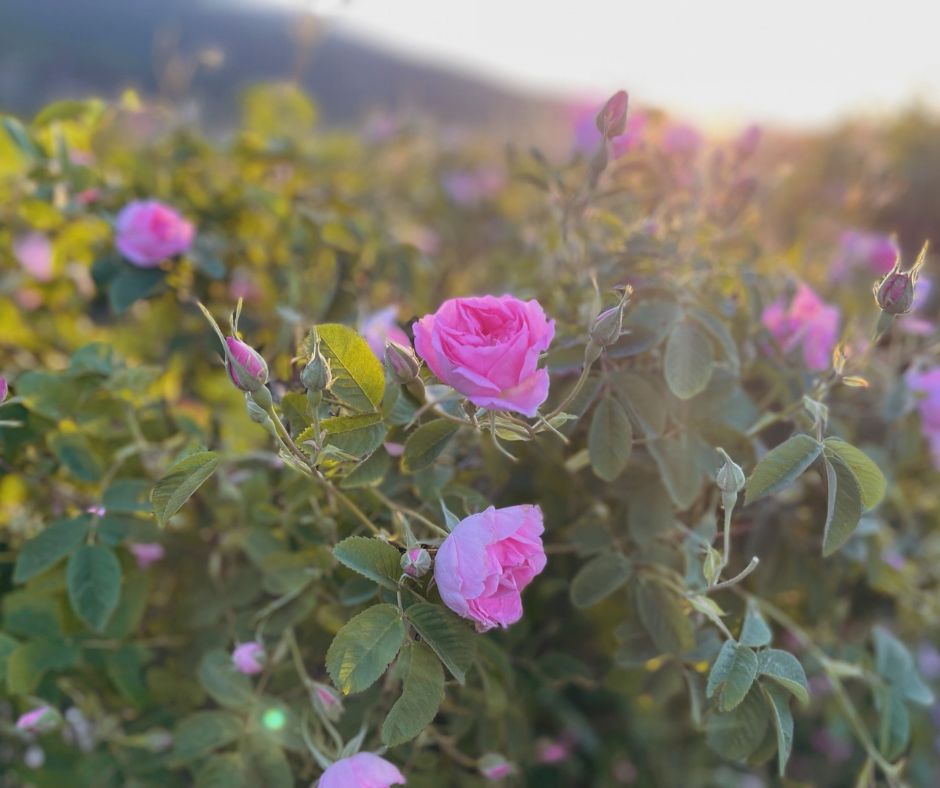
<point x="600" y="493"/>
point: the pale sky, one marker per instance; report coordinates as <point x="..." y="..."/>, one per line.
<point x="799" y="62"/>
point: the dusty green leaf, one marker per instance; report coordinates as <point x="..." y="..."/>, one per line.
<point x="181" y="481"/>
<point x="689" y="360"/>
<point x="844" y="505"/>
<point x="781" y="466"/>
<point x="610" y="439"/>
<point x="421" y="696"/>
<point x="426" y="443"/>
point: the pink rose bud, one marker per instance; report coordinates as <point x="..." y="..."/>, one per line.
<point x="246" y="367"/>
<point x="488" y="348"/>
<point x="487" y="560"/>
<point x="495" y="767"/>
<point x="40" y="720"/>
<point x="416" y="562"/>
<point x="363" y="770"/>
<point x="327" y="700"/>
<point x="249" y="658"/>
<point x="401" y="362"/>
<point x="4" y="388"/>
<point x="895" y="293"/>
<point x="146" y="553"/>
<point x="611" y="121"/>
<point x="34" y="252"/>
<point x="149" y="232"/>
<point x="379" y="327"/>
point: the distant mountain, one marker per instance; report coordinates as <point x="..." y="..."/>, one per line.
<point x="210" y="51"/>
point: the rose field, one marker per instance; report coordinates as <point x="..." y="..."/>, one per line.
<point x="385" y="455"/>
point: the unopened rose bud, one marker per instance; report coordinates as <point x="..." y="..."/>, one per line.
<point x="316" y="376"/>
<point x="730" y="477"/>
<point x="895" y="293"/>
<point x="495" y="767"/>
<point x="327" y="701"/>
<point x="607" y="326"/>
<point x="402" y="362"/>
<point x="416" y="562"/>
<point x="246" y="367"/>
<point x="39" y="721"/>
<point x="249" y="658"/>
<point x="612" y="119"/>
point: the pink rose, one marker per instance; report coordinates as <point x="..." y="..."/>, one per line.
<point x="488" y="349"/>
<point x="148" y="232"/>
<point x="583" y="119"/>
<point x="926" y="384"/>
<point x="809" y="322"/>
<point x="363" y="770"/>
<point x="380" y="326"/>
<point x="146" y="553"/>
<point x="487" y="560"/>
<point x="249" y="658"/>
<point x="34" y="252"/>
<point x="858" y="249"/>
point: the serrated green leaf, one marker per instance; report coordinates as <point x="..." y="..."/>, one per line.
<point x="688" y="361"/>
<point x="50" y="546"/>
<point x="181" y="481"/>
<point x="365" y="647"/>
<point x="781" y="466"/>
<point x="358" y="376"/>
<point x="373" y="558"/>
<point x="357" y="435"/>
<point x="447" y="635"/>
<point x="662" y="615"/>
<point x="426" y="443"/>
<point x="421" y="696"/>
<point x="368" y="473"/>
<point x="721" y="667"/>
<point x="599" y="578"/>
<point x="74" y="452"/>
<point x="754" y="630"/>
<point x="610" y="439"/>
<point x="93" y="578"/>
<point x="785" y="669"/>
<point x="223" y="682"/>
<point x="871" y="481"/>
<point x="199" y="734"/>
<point x="843" y="507"/>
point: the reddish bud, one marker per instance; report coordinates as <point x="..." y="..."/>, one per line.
<point x="612" y="119"/>
<point x="246" y="367"/>
<point x="416" y="562"/>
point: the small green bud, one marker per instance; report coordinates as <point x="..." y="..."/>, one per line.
<point x="730" y="477"/>
<point x="401" y="362"/>
<point x="316" y="376"/>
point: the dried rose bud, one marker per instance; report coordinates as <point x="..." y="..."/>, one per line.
<point x="612" y="119"/>
<point x="416" y="562"/>
<point x="246" y="367"/>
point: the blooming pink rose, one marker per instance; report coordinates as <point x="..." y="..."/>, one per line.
<point x="363" y="770"/>
<point x="488" y="349"/>
<point x="486" y="561"/>
<point x="34" y="252"/>
<point x="809" y="322"/>
<point x="380" y="326"/>
<point x="249" y="658"/>
<point x="148" y="232"/>
<point x="858" y="249"/>
<point x="146" y="553"/>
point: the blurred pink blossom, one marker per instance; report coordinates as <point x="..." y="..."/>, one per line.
<point x="746" y="143"/>
<point x="808" y="322"/>
<point x="583" y="119"/>
<point x="34" y="252"/>
<point x="682" y="139"/>
<point x="471" y="187"/>
<point x="380" y="326"/>
<point x="249" y="658"/>
<point x="874" y="252"/>
<point x="146" y="553"/>
<point x="926" y="385"/>
<point x="553" y="751"/>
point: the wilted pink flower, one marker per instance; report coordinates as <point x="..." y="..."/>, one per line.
<point x="488" y="349"/>
<point x="380" y="326"/>
<point x="148" y="232"/>
<point x="250" y="371"/>
<point x="809" y="322"/>
<point x="249" y="658"/>
<point x="682" y="139"/>
<point x="146" y="553"/>
<point x="363" y="770"/>
<point x="487" y="560"/>
<point x="926" y="384"/>
<point x="34" y="252"/>
<point x="874" y="252"/>
<point x="471" y="187"/>
<point x="39" y="720"/>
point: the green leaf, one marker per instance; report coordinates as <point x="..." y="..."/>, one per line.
<point x="7" y="646"/>
<point x="368" y="473"/>
<point x="132" y="284"/>
<point x="358" y="376"/>
<point x="871" y="481"/>
<point x="738" y="733"/>
<point x="181" y="481"/>
<point x="754" y="630"/>
<point x="610" y="439"/>
<point x="719" y="332"/>
<point x="740" y="675"/>
<point x="894" y="663"/>
<point x="781" y="466"/>
<point x="721" y="667"/>
<point x="267" y="763"/>
<point x="21" y="137"/>
<point x="843" y="507"/>
<point x="786" y="670"/>
<point x="895" y="724"/>
<point x="93" y="578"/>
<point x="199" y="734"/>
<point x="642" y="399"/>
<point x="599" y="578"/>
<point x="365" y="647"/>
<point x="222" y="771"/>
<point x="73" y="450"/>
<point x="358" y="435"/>
<point x="689" y="360"/>
<point x="778" y="703"/>
<point x="662" y="615"/>
<point x="29" y="662"/>
<point x="225" y="685"/>
<point x="373" y="558"/>
<point x="680" y="471"/>
<point x="447" y="635"/>
<point x="124" y="668"/>
<point x="426" y="443"/>
<point x="50" y="546"/>
<point x="421" y="696"/>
